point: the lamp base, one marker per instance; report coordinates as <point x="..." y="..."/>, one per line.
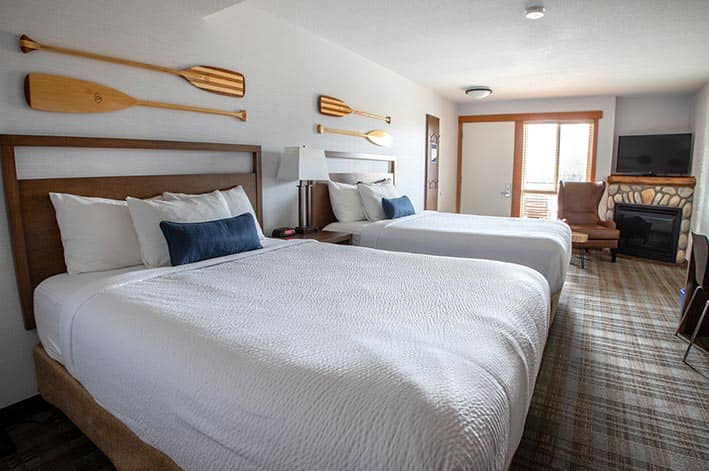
<point x="306" y="229"/>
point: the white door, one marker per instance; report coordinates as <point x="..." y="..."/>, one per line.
<point x="488" y="158"/>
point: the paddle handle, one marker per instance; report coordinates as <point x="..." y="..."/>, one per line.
<point x="28" y="45"/>
<point x="345" y="132"/>
<point x="241" y="115"/>
<point x="372" y="115"/>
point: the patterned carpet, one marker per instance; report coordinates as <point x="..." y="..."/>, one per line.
<point x="612" y="393"/>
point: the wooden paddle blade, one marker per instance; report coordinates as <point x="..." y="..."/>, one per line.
<point x="28" y="44"/>
<point x="333" y="106"/>
<point x="216" y="80"/>
<point x="211" y="79"/>
<point x="379" y="137"/>
<point x="69" y="95"/>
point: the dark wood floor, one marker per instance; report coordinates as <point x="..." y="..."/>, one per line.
<point x="36" y="436"/>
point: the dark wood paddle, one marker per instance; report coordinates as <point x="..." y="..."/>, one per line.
<point x="335" y="107"/>
<point x="211" y="79"/>
<point x="69" y="95"/>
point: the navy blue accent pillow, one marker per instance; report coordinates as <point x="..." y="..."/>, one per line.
<point x="397" y="207"/>
<point x="190" y="242"/>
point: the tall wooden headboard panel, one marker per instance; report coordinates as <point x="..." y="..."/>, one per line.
<point x="36" y="243"/>
<point x="322" y="210"/>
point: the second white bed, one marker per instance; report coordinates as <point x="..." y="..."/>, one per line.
<point x="542" y="245"/>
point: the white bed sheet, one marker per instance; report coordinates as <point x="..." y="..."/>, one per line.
<point x="57" y="297"/>
<point x="542" y="245"/>
<point x="362" y="360"/>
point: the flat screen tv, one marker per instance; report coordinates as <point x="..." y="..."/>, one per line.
<point x="656" y="154"/>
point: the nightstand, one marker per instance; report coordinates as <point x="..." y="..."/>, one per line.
<point x="331" y="237"/>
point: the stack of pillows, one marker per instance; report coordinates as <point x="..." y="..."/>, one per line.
<point x="368" y="201"/>
<point x="101" y="234"/>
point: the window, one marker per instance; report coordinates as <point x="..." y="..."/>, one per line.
<point x="553" y="151"/>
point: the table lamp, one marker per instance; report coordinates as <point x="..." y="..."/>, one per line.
<point x="306" y="165"/>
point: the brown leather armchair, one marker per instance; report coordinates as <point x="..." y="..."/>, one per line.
<point x="578" y="207"/>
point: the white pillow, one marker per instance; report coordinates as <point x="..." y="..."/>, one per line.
<point x="345" y="202"/>
<point x="371" y="195"/>
<point x="236" y="199"/>
<point x="147" y="216"/>
<point x="97" y="233"/>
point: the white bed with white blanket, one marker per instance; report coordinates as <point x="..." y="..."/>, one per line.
<point x="539" y="244"/>
<point x="304" y="355"/>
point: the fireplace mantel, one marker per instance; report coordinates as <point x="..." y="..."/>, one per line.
<point x="665" y="181"/>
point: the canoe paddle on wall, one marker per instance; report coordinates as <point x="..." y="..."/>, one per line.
<point x="377" y="136"/>
<point x="211" y="79"/>
<point x="69" y="95"/>
<point x="335" y="107"/>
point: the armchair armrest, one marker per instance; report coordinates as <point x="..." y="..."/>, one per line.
<point x="608" y="224"/>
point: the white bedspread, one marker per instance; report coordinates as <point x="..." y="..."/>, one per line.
<point x="316" y="356"/>
<point x="539" y="244"/>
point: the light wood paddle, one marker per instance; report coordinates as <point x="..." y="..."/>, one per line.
<point x="377" y="136"/>
<point x="211" y="79"/>
<point x="69" y="95"/>
<point x="335" y="107"/>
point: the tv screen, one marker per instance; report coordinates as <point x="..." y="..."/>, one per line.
<point x="658" y="154"/>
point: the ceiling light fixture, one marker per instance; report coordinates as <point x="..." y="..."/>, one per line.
<point x="534" y="12"/>
<point x="478" y="92"/>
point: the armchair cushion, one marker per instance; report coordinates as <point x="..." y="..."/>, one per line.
<point x="596" y="231"/>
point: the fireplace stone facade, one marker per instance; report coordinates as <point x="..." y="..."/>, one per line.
<point x="674" y="196"/>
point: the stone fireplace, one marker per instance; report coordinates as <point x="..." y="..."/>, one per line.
<point x="670" y="192"/>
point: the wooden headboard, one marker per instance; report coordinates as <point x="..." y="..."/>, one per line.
<point x="322" y="211"/>
<point x="36" y="244"/>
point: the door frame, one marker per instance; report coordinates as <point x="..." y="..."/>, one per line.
<point x="427" y="150"/>
<point x="519" y="119"/>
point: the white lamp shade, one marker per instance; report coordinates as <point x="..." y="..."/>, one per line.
<point x="303" y="163"/>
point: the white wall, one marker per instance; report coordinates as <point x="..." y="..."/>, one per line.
<point x="606" y="104"/>
<point x="622" y="115"/>
<point x="673" y="113"/>
<point x="286" y="69"/>
<point x="650" y="114"/>
<point x="653" y="114"/>
<point x="700" y="162"/>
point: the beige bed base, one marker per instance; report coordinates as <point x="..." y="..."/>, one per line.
<point x="554" y="307"/>
<point x="124" y="448"/>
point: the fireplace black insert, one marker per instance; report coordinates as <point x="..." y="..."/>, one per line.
<point x="648" y="231"/>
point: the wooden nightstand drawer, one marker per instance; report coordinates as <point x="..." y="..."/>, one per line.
<point x="342" y="238"/>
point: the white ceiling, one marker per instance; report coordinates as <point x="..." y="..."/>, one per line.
<point x="204" y="8"/>
<point x="581" y="47"/>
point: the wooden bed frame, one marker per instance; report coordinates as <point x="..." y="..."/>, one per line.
<point x="38" y="254"/>
<point x="36" y="244"/>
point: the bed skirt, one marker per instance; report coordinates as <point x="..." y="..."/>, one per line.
<point x="554" y="307"/>
<point x="123" y="447"/>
